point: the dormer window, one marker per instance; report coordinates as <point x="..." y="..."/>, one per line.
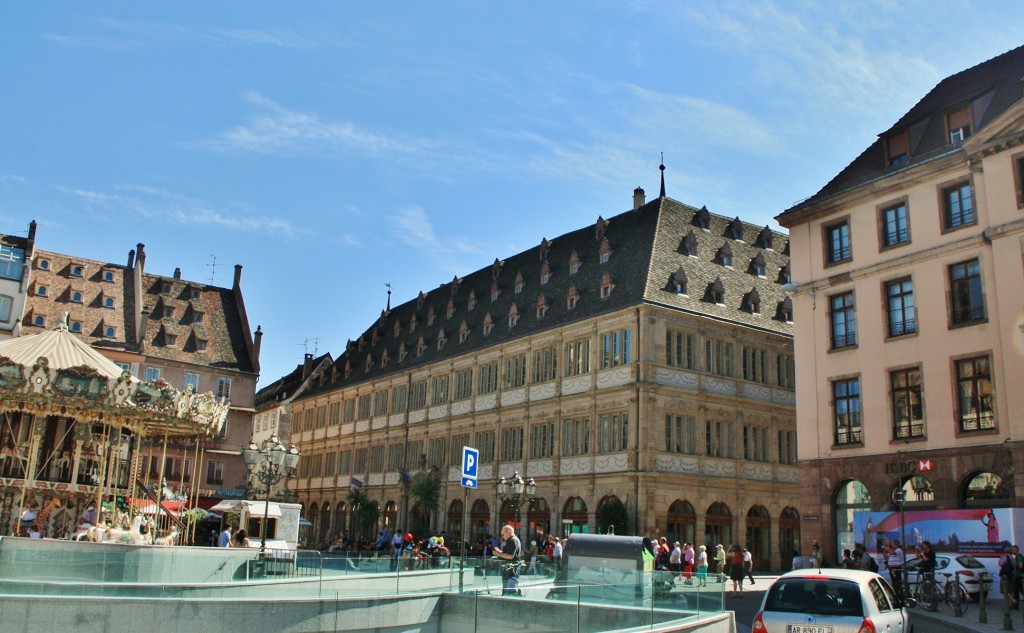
<point x="108" y="302"/>
<point x="959" y="123"/>
<point x="757" y="265"/>
<point x="431" y="315"/>
<point x="495" y="291"/>
<point x="402" y="352"/>
<point x="545" y="274"/>
<point x="689" y="245"/>
<point x="496" y="268"/>
<point x="348" y="369"/>
<point x="600" y="227"/>
<point x="454" y="285"/>
<point x="361" y="343"/>
<point x="41" y="291"/>
<point x="194" y="294"/>
<point x="43" y="264"/>
<point x="442" y="340"/>
<point x="451" y="309"/>
<point x="109" y="332"/>
<point x="108" y="275"/>
<point x="463" y="332"/>
<point x="170" y="339"/>
<point x="765" y="238"/>
<point x="574" y="263"/>
<point x="397" y="329"/>
<point x="166" y="289"/>
<point x="752" y="302"/>
<point x="168" y="313"/>
<point x="572" y="299"/>
<point x="604" y="252"/>
<point x="898" y="149"/>
<point x="784" y="275"/>
<point x="606" y="286"/>
<point x="200" y="345"/>
<point x="421" y="346"/>
<point x="784" y="312"/>
<point x="77" y="271"/>
<point x="520" y="284"/>
<point x="724" y="255"/>
<point x="679" y="281"/>
<point x="197" y="317"/>
<point x="471" y="302"/>
<point x="735" y="230"/>
<point x="488" y="324"/>
<point x="76" y="297"/>
<point x="716" y="292"/>
<point x="420" y="299"/>
<point x="369" y="362"/>
<point x="545" y="248"/>
<point x="39" y="320"/>
<point x="384" y="358"/>
<point x="513" y="316"/>
<point x="542" y="306"/>
<point x="412" y="323"/>
<point x="702" y="219"/>
<point x="75" y="326"/>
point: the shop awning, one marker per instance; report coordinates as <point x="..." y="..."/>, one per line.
<point x="254" y="509"/>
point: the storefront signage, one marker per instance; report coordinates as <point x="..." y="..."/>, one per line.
<point x="899" y="467"/>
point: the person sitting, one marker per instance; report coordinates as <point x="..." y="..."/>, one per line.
<point x="240" y="539"/>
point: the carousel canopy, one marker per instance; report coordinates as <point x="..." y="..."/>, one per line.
<point x="56" y="373"/>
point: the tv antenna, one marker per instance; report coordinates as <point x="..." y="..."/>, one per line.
<point x="305" y="345"/>
<point x="213" y="268"/>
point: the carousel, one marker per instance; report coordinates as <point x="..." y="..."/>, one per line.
<point x="73" y="429"/>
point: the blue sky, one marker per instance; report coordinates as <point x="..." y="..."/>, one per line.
<point x="333" y="147"/>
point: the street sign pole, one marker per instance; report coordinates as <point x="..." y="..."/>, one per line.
<point x="470" y="461"/>
<point x="465" y="542"/>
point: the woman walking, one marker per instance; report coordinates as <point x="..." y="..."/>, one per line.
<point x="736" y="572"/>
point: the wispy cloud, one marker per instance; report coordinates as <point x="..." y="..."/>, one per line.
<point x="411" y="226"/>
<point x="161" y="206"/>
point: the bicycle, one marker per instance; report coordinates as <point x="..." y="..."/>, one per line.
<point x="955" y="595"/>
<point x="931" y="593"/>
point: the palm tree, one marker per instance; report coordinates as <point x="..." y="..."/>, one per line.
<point x="365" y="511"/>
<point x="424" y="500"/>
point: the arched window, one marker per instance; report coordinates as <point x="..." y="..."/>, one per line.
<point x="479" y="520"/>
<point x="682" y="522"/>
<point x="718" y="524"/>
<point x="455" y="518"/>
<point x="538" y="518"/>
<point x="851" y="496"/>
<point x="985" y="489"/>
<point x="758" y="526"/>
<point x="575" y="510"/>
<point x="390" y="515"/>
<point x="789" y="536"/>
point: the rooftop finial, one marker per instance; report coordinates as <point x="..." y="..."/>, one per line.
<point x="662" y="168"/>
<point x="388" y="284"/>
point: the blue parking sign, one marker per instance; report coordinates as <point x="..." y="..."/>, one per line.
<point x="470" y="461"/>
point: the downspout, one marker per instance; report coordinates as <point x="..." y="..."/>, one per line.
<point x="636" y="448"/>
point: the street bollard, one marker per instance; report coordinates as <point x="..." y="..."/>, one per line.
<point x="1007" y="619"/>
<point x="982" y="596"/>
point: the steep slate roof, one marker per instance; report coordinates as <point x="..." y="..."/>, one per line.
<point x="283" y="388"/>
<point x="645" y="250"/>
<point x="989" y="88"/>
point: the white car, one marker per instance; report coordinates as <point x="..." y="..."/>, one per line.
<point x="831" y="601"/>
<point x="968" y="567"/>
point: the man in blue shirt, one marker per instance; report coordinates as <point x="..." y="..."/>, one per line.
<point x="225" y="537"/>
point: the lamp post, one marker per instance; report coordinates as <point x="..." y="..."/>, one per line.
<point x="269" y="462"/>
<point x="516" y="492"/>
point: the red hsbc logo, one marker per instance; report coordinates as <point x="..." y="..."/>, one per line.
<point x="924" y="465"/>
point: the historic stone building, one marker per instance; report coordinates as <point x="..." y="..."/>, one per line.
<point x="187" y="333"/>
<point x="645" y="359"/>
<point x="910" y="286"/>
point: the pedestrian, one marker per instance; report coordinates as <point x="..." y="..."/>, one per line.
<point x="531" y="558"/>
<point x="736" y="569"/>
<point x="396" y="549"/>
<point x="702" y="566"/>
<point x="675" y="561"/>
<point x="847" y="560"/>
<point x="895" y="565"/>
<point x="689" y="557"/>
<point x="797" y="561"/>
<point x="1007" y="574"/>
<point x="720" y="562"/>
<point x="816" y="556"/>
<point x="748" y="565"/>
<point x="511" y="551"/>
<point x="225" y="537"/>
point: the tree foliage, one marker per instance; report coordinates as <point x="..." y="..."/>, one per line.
<point x="613" y="513"/>
<point x="366" y="512"/>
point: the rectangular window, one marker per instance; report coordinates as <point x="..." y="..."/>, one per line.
<point x="330" y="462"/>
<point x="842" y="317"/>
<point x="350" y="410"/>
<point x="380" y="402"/>
<point x="577" y="357"/>
<point x="414" y="455"/>
<point x="787" y="447"/>
<point x="437" y="453"/>
<point x="344" y="462"/>
<point x="12" y="260"/>
<point x="545" y="364"/>
<point x="396" y="456"/>
<point x="511" y="444"/>
<point x="902" y="316"/>
<point x="755" y="365"/>
<point x="192" y="380"/>
<point x="458" y="441"/>
<point x="895" y="225"/>
<point x="907" y="412"/>
<point x="377" y="459"/>
<point x="974" y="394"/>
<point x="959" y="209"/>
<point x="681" y="434"/>
<point x="361" y="461"/>
<point x="965" y="289"/>
<point x="321" y="416"/>
<point x="542" y="440"/>
<point x="615" y="349"/>
<point x="418" y="398"/>
<point x="335" y="417"/>
<point x="785" y="372"/>
<point x="214" y="473"/>
<point x="680" y="349"/>
<point x="515" y="371"/>
<point x="224" y="388"/>
<point x="463" y="384"/>
<point x="399" y="398"/>
<point x="576" y="436"/>
<point x="153" y="373"/>
<point x="485" y="444"/>
<point x="846" y="411"/>
<point x="613" y="433"/>
<point x="718" y="357"/>
<point x="755" y="443"/>
<point x="837" y="243"/>
<point x="365" y="402"/>
<point x="718" y="439"/>
<point x="488" y="378"/>
<point x="439" y="393"/>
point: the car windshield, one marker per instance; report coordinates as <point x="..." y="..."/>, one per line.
<point x="825" y="596"/>
<point x="969" y="562"/>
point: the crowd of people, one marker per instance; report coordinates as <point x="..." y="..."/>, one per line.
<point x="695" y="565"/>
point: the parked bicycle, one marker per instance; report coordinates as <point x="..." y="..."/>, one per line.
<point x="931" y="593"/>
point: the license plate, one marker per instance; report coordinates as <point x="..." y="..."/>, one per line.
<point x="807" y="628"/>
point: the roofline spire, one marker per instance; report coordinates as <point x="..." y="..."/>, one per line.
<point x="662" y="168"/>
<point x="388" y="284"/>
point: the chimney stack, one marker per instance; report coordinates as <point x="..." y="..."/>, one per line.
<point x="177" y="273"/>
<point x="639" y="198"/>
<point x="257" y="343"/>
<point x="238" y="275"/>
<point x="307" y="366"/>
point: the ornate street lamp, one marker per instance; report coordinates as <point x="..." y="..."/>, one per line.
<point x="269" y="463"/>
<point x="516" y="491"/>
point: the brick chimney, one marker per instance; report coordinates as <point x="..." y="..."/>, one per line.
<point x="639" y="198"/>
<point x="307" y="366"/>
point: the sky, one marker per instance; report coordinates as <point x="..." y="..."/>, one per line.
<point x="332" y="148"/>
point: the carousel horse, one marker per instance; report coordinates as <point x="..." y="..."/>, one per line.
<point x="170" y="539"/>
